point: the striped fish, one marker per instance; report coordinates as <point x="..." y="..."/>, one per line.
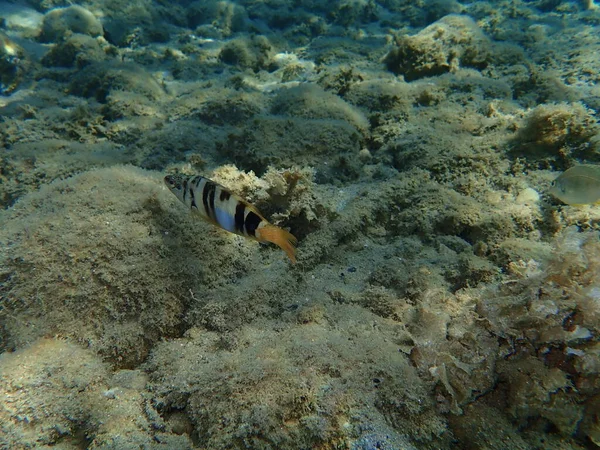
<point x="215" y="204"/>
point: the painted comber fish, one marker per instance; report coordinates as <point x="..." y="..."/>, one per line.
<point x="215" y="204"/>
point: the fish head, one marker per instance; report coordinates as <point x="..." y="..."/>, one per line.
<point x="558" y="188"/>
<point x="561" y="189"/>
<point x="175" y="184"/>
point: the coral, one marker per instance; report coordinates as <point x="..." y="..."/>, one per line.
<point x="245" y="184"/>
<point x="288" y="193"/>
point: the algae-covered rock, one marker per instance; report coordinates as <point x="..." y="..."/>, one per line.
<point x="77" y="50"/>
<point x="492" y="428"/>
<point x="278" y="141"/>
<point x="136" y="24"/>
<point x="557" y="134"/>
<point x="116" y="276"/>
<point x="537" y="392"/>
<point x="452" y="42"/>
<point x="253" y="386"/>
<point x="255" y="53"/>
<point x="225" y="17"/>
<point x="551" y="313"/>
<point x="312" y="102"/>
<point x="307" y="126"/>
<point x="58" y="23"/>
<point x="100" y="79"/>
<point x="30" y="165"/>
<point x="46" y="5"/>
<point x="50" y="410"/>
<point x="58" y="393"/>
<point x="436" y="302"/>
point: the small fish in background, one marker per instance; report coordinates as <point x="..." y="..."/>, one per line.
<point x="215" y="204"/>
<point x="579" y="185"/>
<point x="12" y="65"/>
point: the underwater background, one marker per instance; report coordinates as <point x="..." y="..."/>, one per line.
<point x="442" y="298"/>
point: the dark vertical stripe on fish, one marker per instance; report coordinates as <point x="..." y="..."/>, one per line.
<point x="211" y="199"/>
<point x="224" y="196"/>
<point x="252" y="221"/>
<point x="205" y="192"/>
<point x="240" y="209"/>
<point x="184" y="189"/>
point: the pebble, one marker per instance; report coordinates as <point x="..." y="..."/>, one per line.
<point x="528" y="196"/>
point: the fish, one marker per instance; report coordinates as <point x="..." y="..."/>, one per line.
<point x="12" y="65"/>
<point x="218" y="206"/>
<point x="579" y="185"/>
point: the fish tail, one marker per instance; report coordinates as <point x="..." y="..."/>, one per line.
<point x="280" y="237"/>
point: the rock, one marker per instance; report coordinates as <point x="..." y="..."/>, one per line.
<point x="452" y="42"/>
<point x="58" y="23"/>
<point x="528" y="196"/>
<point x="78" y="50"/>
<point x="100" y="79"/>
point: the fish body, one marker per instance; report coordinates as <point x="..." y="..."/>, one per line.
<point x="579" y="185"/>
<point x="215" y="204"/>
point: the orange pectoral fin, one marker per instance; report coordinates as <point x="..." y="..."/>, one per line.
<point x="280" y="237"/>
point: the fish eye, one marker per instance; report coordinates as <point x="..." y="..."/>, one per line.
<point x="553" y="183"/>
